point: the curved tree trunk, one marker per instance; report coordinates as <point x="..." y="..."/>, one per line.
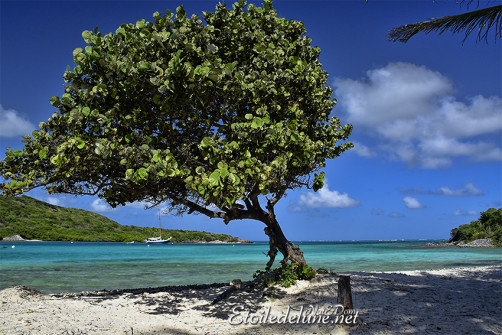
<point x="279" y="242"/>
<point x="253" y="210"/>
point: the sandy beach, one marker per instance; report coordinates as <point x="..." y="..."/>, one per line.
<point x="453" y="301"/>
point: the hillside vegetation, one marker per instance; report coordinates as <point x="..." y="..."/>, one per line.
<point x="489" y="225"/>
<point x="35" y="219"/>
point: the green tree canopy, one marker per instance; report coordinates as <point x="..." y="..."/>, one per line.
<point x="196" y="114"/>
<point x="489" y="225"/>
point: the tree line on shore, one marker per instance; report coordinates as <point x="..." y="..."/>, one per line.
<point x="489" y="225"/>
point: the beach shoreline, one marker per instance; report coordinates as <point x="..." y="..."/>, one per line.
<point x="459" y="300"/>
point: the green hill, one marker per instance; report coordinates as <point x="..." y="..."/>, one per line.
<point x="35" y="219"/>
<point x="489" y="225"/>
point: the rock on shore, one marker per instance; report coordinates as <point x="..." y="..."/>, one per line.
<point x="480" y="243"/>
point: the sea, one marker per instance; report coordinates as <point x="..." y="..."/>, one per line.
<point x="56" y="267"/>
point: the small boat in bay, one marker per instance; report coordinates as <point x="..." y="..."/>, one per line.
<point x="157" y="240"/>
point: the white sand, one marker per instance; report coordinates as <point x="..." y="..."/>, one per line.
<point x="455" y="301"/>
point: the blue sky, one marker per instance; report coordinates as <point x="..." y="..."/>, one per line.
<point x="427" y="115"/>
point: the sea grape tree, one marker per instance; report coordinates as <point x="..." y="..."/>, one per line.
<point x="220" y="114"/>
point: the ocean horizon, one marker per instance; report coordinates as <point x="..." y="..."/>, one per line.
<point x="55" y="267"/>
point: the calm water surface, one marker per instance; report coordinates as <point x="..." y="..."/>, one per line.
<point x="71" y="267"/>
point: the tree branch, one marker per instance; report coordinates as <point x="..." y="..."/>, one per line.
<point x="228" y="214"/>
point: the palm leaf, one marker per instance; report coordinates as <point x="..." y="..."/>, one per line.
<point x="481" y="20"/>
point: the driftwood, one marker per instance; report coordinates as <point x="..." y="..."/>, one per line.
<point x="344" y="292"/>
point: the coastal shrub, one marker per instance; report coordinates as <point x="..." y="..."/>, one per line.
<point x="489" y="225"/>
<point x="286" y="275"/>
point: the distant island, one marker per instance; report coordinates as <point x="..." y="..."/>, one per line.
<point x="484" y="232"/>
<point x="26" y="218"/>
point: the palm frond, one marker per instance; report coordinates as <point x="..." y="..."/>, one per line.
<point x="481" y="20"/>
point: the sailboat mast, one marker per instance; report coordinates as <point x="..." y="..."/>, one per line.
<point x="160" y="230"/>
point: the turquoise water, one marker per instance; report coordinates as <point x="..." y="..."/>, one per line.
<point x="70" y="267"/>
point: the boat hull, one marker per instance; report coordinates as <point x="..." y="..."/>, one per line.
<point x="158" y="242"/>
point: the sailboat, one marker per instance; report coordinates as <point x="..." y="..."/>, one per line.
<point x="157" y="240"/>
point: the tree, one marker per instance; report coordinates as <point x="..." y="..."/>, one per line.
<point x="221" y="118"/>
<point x="482" y="20"/>
<point x="489" y="225"/>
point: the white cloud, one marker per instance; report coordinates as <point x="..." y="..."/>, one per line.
<point x="13" y="124"/>
<point x="100" y="206"/>
<point x="411" y="113"/>
<point x="362" y="150"/>
<point x="460" y="212"/>
<point x="54" y="201"/>
<point x="324" y="198"/>
<point x="397" y="91"/>
<point x="412" y="203"/>
<point x="467" y="190"/>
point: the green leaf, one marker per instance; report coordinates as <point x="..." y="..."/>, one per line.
<point x="56" y="160"/>
<point x="249" y="116"/>
<point x="144" y="66"/>
<point x="257" y="123"/>
<point x="80" y="143"/>
<point x="42" y="153"/>
<point x="77" y="51"/>
<point x="86" y="35"/>
<point x="214" y="178"/>
<point x="55" y="101"/>
<point x="207" y="142"/>
<point x="199" y="170"/>
<point x="156" y="157"/>
<point x="318" y="181"/>
<point x="224" y="173"/>
<point x="201" y="189"/>
<point x="129" y="173"/>
<point x="234" y="179"/>
<point x="140" y="24"/>
<point x="142" y="173"/>
<point x="120" y="30"/>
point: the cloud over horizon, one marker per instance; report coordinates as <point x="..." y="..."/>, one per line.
<point x="460" y="212"/>
<point x="325" y="198"/>
<point x="100" y="206"/>
<point x="467" y="190"/>
<point x="411" y="112"/>
<point x="13" y="124"/>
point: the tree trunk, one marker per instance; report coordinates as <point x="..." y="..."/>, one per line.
<point x="279" y="242"/>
